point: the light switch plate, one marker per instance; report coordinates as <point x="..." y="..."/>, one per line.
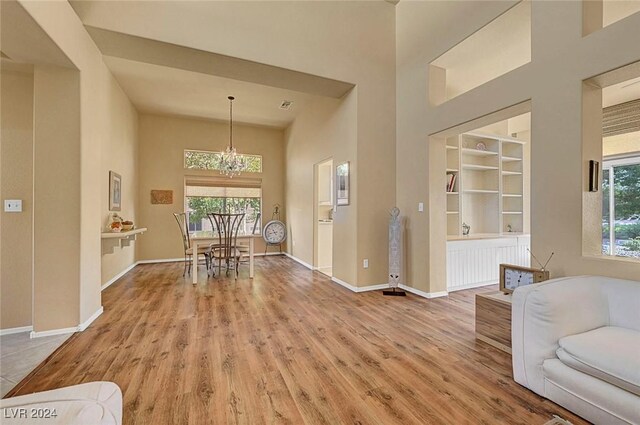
<point x="420" y="207"/>
<point x="365" y="263"/>
<point x="13" y="205"/>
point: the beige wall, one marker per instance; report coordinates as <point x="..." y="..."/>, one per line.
<point x="163" y="140"/>
<point x="488" y="53"/>
<point x="350" y="41"/>
<point x="78" y="112"/>
<point x="325" y="129"/>
<point x="120" y="154"/>
<point x="561" y="59"/>
<point x="57" y="213"/>
<point x="16" y="156"/>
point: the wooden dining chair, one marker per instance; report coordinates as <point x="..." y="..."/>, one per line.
<point x="226" y="249"/>
<point x="183" y="223"/>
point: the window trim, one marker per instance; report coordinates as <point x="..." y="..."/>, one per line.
<point x="215" y="181"/>
<point x="608" y="165"/>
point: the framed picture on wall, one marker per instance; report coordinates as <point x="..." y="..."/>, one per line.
<point x="115" y="191"/>
<point x="342" y="184"/>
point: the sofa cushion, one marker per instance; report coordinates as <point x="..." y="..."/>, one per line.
<point x="609" y="353"/>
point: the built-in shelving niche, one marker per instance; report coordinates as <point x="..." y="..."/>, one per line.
<point x="488" y="191"/>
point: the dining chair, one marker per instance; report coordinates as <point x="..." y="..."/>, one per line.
<point x="183" y="223"/>
<point x="227" y="227"/>
<point x="244" y="249"/>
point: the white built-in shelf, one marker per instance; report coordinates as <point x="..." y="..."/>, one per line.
<point x="480" y="191"/>
<point x="484" y="194"/>
<point x="478" y="152"/>
<point x="123" y="235"/>
<point x="478" y="167"/>
<point x="111" y="240"/>
<point x="507" y="139"/>
<point x="511" y="140"/>
<point x="325" y="203"/>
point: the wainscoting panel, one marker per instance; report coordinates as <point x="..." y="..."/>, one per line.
<point x="475" y="262"/>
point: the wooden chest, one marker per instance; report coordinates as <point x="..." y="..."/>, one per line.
<point x="493" y="319"/>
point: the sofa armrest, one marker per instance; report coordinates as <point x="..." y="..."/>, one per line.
<point x="97" y="403"/>
<point x="541" y="314"/>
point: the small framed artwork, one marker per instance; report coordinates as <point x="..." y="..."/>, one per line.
<point x="162" y="197"/>
<point x="512" y="277"/>
<point x="115" y="191"/>
<point x="342" y="184"/>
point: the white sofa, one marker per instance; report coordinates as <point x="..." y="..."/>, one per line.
<point x="576" y="341"/>
<point x="94" y="403"/>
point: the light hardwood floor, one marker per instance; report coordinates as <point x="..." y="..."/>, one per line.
<point x="289" y="347"/>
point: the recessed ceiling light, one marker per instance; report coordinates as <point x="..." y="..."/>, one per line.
<point x="286" y="104"/>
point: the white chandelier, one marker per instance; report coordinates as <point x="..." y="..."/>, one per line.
<point x="231" y="164"/>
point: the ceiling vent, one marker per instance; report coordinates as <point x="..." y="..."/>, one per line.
<point x="286" y="104"/>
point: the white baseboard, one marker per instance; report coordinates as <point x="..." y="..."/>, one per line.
<point x="262" y="254"/>
<point x="181" y="259"/>
<point x="11" y="331"/>
<point x="81" y="327"/>
<point x="163" y="260"/>
<point x="118" y="276"/>
<point x="53" y="332"/>
<point x="296" y="259"/>
<point x="354" y="288"/>
<point x="345" y="284"/>
<point x="373" y="287"/>
<point x="471" y="286"/>
<point x="422" y="293"/>
<point x="84" y="325"/>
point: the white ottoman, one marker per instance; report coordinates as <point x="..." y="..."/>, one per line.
<point x="94" y="403"/>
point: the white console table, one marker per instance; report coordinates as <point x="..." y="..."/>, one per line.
<point x="111" y="240"/>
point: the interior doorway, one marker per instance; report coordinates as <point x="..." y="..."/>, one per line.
<point x="323" y="217"/>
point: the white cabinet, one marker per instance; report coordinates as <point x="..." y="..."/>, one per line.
<point x="475" y="261"/>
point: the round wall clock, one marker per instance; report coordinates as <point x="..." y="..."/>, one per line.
<point x="275" y="232"/>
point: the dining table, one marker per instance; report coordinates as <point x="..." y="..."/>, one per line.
<point x="206" y="238"/>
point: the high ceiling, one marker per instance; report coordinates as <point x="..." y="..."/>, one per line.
<point x="169" y="77"/>
<point x="165" y="90"/>
<point x="177" y="78"/>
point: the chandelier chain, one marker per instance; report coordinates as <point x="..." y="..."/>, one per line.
<point x="231" y="163"/>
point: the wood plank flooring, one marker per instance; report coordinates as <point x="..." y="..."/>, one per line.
<point x="289" y="347"/>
